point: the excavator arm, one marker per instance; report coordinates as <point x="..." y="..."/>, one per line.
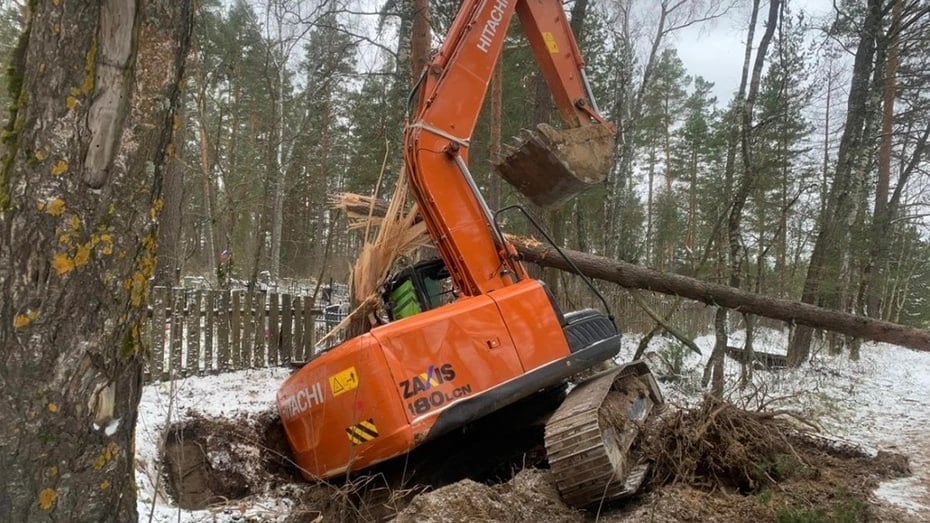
<point x="450" y="94"/>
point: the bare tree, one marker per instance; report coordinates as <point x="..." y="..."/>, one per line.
<point x="652" y="23"/>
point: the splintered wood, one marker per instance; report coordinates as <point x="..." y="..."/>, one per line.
<point x="399" y="233"/>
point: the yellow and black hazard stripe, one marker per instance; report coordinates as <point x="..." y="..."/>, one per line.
<point x="362" y="432"/>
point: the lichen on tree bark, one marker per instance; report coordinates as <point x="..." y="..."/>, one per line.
<point x="100" y="84"/>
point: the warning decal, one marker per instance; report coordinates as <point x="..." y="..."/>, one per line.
<point x="362" y="432"/>
<point x="550" y="43"/>
<point x="343" y="381"/>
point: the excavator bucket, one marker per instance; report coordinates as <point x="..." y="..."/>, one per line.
<point x="551" y="165"/>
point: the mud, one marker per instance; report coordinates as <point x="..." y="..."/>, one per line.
<point x="209" y="461"/>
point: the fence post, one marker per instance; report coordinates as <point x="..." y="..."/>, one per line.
<point x="248" y="321"/>
<point x="274" y="329"/>
<point x="235" y="326"/>
<point x="178" y="303"/>
<point x="309" y="330"/>
<point x="157" y="361"/>
<point x="193" y="334"/>
<point x="222" y="361"/>
<point x="286" y="322"/>
<point x="261" y="331"/>
<point x="209" y="298"/>
<point x="298" y="328"/>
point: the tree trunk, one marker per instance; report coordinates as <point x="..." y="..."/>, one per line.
<point x="869" y="300"/>
<point x="209" y="199"/>
<point x="542" y="112"/>
<point x="496" y="109"/>
<point x="169" y="254"/>
<point x="633" y="276"/>
<point x="839" y="202"/>
<point x="636" y="277"/>
<point x="713" y="372"/>
<point x="748" y="179"/>
<point x="419" y="38"/>
<point x="278" y="182"/>
<point x="82" y="175"/>
<point x="727" y="244"/>
<point x="322" y="184"/>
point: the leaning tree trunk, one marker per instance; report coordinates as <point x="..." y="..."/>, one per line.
<point x="80" y="182"/>
<point x="635" y="277"/>
<point x="822" y="266"/>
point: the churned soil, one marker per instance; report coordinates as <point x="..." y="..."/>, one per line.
<point x="711" y="463"/>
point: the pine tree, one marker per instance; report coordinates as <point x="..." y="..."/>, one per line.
<point x="318" y="158"/>
<point x="780" y="155"/>
<point x="663" y="101"/>
<point x="239" y="114"/>
<point x="692" y="156"/>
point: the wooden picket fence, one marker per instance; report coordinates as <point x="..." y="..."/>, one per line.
<point x="197" y="332"/>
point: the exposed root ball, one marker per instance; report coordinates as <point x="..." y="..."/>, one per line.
<point x="209" y="461"/>
<point x="721" y="445"/>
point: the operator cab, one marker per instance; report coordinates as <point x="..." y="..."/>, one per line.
<point x="418" y="288"/>
<point x="427" y="285"/>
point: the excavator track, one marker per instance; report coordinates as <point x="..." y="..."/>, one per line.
<point x="589" y="437"/>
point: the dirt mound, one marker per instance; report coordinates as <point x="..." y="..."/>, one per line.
<point x="530" y="496"/>
<point x="713" y="463"/>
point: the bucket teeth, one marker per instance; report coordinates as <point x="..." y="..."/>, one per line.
<point x="550" y="165"/>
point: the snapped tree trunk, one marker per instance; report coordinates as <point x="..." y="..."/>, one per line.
<point x="80" y="193"/>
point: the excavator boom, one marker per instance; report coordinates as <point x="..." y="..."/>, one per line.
<point x="549" y="167"/>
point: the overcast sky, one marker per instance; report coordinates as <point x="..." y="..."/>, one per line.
<point x="715" y="50"/>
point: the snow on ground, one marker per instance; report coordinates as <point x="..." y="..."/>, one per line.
<point x="880" y="402"/>
<point x="226" y="395"/>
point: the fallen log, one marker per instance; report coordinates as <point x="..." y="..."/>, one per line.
<point x="635" y="277"/>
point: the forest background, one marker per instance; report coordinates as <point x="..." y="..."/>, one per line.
<point x="810" y="185"/>
<point x="201" y="142"/>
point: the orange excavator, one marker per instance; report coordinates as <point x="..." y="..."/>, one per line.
<point x="440" y="364"/>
